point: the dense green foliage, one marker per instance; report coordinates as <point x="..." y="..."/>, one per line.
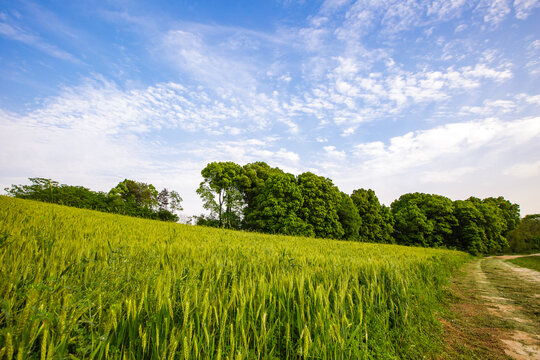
<point x="127" y="198"/>
<point x="529" y="262"/>
<point x="276" y="208"/>
<point x="82" y="284"/>
<point x="423" y="219"/>
<point x="472" y="225"/>
<point x="320" y="206"/>
<point x="376" y="223"/>
<point x="260" y="198"/>
<point x="349" y="217"/>
<point x="526" y="237"/>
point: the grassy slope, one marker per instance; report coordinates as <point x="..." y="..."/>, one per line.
<point x="98" y="285"/>
<point x="530" y="262"/>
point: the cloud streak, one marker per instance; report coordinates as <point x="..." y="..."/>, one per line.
<point x="15" y="33"/>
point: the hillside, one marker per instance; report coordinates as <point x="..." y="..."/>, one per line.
<point x="93" y="285"/>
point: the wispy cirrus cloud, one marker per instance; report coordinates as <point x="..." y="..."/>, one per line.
<point x="15" y="33"/>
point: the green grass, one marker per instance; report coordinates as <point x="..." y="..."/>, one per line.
<point x="530" y="262"/>
<point x="82" y="284"/>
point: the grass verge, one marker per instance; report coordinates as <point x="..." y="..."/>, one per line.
<point x="529" y="262"/>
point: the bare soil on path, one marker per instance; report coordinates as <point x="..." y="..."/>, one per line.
<point x="495" y="312"/>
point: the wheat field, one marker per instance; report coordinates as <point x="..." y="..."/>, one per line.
<point x="79" y="284"/>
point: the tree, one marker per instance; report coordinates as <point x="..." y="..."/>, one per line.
<point x="526" y="237"/>
<point x="220" y="194"/>
<point x="321" y="200"/>
<point x="481" y="225"/>
<point x="388" y="224"/>
<point x="374" y="226"/>
<point x="423" y="219"/>
<point x="494" y="225"/>
<point x="138" y="193"/>
<point x="348" y="217"/>
<point x="175" y="201"/>
<point x="411" y="225"/>
<point x="276" y="208"/>
<point x="163" y="199"/>
<point x="169" y="200"/>
<point x="469" y="234"/>
<point x="510" y="212"/>
<point x="251" y="183"/>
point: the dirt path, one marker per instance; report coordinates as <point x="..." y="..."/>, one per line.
<point x="504" y="257"/>
<point x="495" y="312"/>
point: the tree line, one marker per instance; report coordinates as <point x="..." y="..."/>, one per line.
<point x="257" y="197"/>
<point x="261" y="198"/>
<point x="129" y="197"/>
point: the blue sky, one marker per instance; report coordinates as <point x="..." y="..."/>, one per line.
<point x="397" y="96"/>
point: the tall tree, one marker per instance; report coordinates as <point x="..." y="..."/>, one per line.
<point x="163" y="199"/>
<point x="482" y="225"/>
<point x="220" y="194"/>
<point x="388" y="224"/>
<point x="411" y="225"/>
<point x="494" y="225"/>
<point x="277" y="206"/>
<point x="374" y="226"/>
<point x="251" y="184"/>
<point x="510" y="212"/>
<point x="469" y="234"/>
<point x="175" y="201"/>
<point x="423" y="219"/>
<point x="348" y="217"/>
<point x="321" y="202"/>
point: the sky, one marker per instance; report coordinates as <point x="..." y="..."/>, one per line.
<point x="438" y="97"/>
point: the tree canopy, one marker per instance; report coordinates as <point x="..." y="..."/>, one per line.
<point x="423" y="219"/>
<point x="321" y="201"/>
<point x="220" y="194"/>
<point x="375" y="222"/>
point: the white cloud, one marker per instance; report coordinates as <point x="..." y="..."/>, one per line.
<point x="100" y="106"/>
<point x="483" y="71"/>
<point x="497" y="107"/>
<point x="332" y="153"/>
<point x="494" y="11"/>
<point x="523" y="8"/>
<point x="446" y="9"/>
<point x="535" y="45"/>
<point x="419" y="148"/>
<point x="531" y="99"/>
